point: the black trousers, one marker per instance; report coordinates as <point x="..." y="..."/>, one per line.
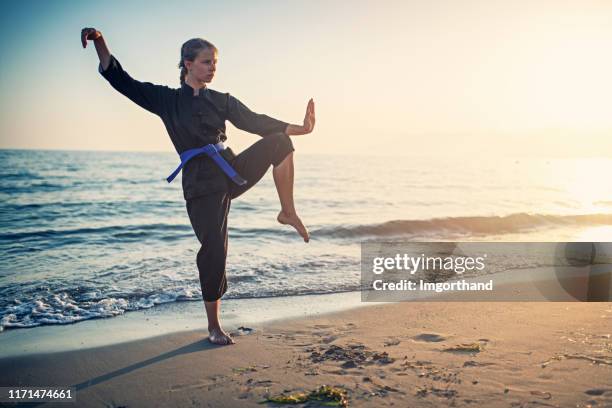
<point x="208" y="214"/>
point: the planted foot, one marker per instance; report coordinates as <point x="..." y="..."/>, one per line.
<point x="218" y="336"/>
<point x="295" y="222"/>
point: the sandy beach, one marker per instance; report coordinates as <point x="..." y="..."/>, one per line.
<point x="403" y="354"/>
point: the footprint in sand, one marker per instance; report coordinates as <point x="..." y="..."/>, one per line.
<point x="429" y="337"/>
<point x="242" y="331"/>
<point x="598" y="391"/>
<point x="330" y="339"/>
<point x="472" y="363"/>
<point x="391" y="342"/>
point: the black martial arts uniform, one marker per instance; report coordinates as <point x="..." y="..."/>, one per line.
<point x="195" y="121"/>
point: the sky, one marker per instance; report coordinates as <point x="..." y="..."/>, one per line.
<point x="444" y="78"/>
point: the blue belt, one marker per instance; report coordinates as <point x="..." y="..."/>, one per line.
<point x="212" y="151"/>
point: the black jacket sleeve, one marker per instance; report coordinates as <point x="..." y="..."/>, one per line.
<point x="243" y="118"/>
<point x="144" y="94"/>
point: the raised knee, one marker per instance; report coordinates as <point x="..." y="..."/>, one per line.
<point x="281" y="146"/>
<point x="285" y="142"/>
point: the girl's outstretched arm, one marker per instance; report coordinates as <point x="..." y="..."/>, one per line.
<point x="153" y="98"/>
<point x="90" y="33"/>
<point x="309" y="122"/>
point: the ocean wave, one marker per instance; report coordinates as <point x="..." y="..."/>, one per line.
<point x="32" y="188"/>
<point x="25" y="214"/>
<point x="68" y="308"/>
<point x="112" y="231"/>
<point x="96" y="205"/>
<point x="22" y="175"/>
<point x="463" y="225"/>
<point x="430" y="228"/>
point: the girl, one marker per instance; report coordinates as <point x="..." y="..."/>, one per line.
<point x="213" y="175"/>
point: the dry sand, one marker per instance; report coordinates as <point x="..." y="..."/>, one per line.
<point x="523" y="355"/>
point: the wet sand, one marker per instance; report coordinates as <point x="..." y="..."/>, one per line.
<point x="403" y="354"/>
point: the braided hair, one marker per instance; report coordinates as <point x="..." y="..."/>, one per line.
<point x="189" y="52"/>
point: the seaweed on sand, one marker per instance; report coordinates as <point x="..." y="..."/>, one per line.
<point x="325" y="394"/>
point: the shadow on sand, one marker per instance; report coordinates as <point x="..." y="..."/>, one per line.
<point x="197" y="346"/>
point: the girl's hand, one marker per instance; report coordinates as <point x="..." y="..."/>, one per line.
<point x="309" y="122"/>
<point x="309" y="118"/>
<point x="89" y="33"/>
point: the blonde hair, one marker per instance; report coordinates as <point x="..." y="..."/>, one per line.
<point x="190" y="50"/>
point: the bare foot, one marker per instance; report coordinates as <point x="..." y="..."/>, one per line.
<point x="295" y="222"/>
<point x="218" y="336"/>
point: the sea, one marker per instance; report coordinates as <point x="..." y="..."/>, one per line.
<point x="86" y="235"/>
